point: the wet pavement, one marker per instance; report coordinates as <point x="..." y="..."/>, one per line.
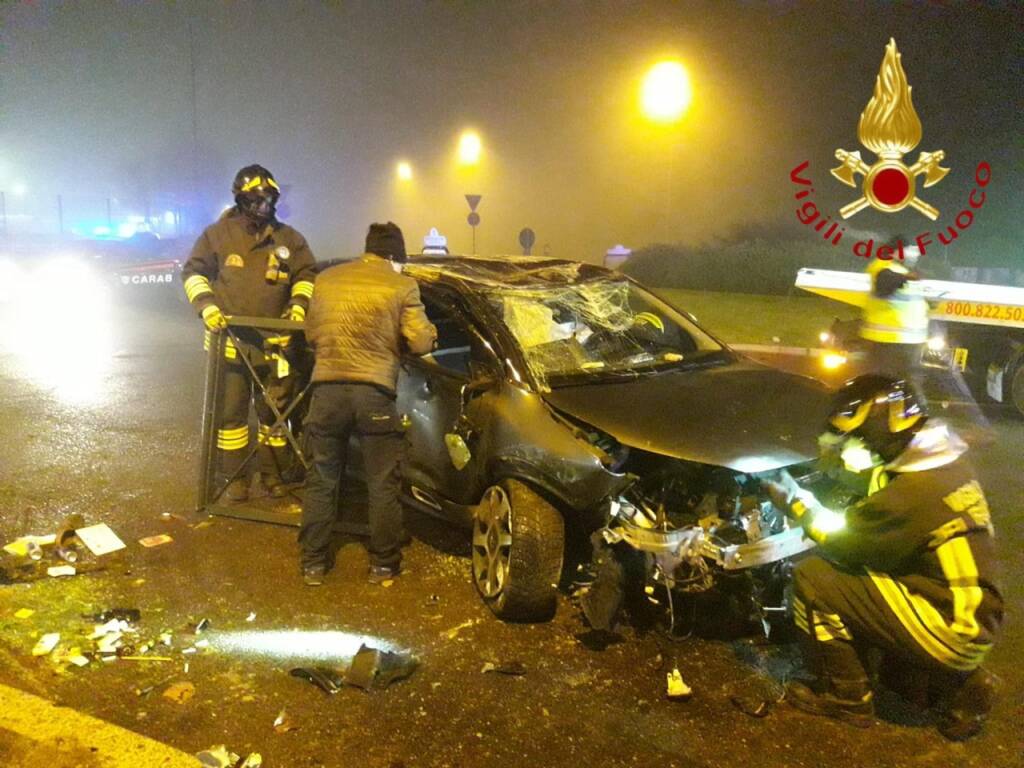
<point x="110" y="431"/>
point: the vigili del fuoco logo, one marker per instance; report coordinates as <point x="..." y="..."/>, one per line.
<point x="890" y="128"/>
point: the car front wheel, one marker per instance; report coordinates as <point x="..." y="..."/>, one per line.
<point x="518" y="544"/>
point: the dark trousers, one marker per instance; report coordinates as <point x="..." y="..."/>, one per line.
<point x="233" y="434"/>
<point x="336" y="412"/>
<point x="843" y="615"/>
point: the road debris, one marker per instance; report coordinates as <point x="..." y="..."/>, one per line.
<point x="511" y="668"/>
<point x="676" y="689"/>
<point x="23" y="613"/>
<point x="452" y="633"/>
<point x="29" y="546"/>
<point x="284" y="723"/>
<point x="100" y="539"/>
<point x="752" y="706"/>
<point x="251" y="617"/>
<point x="61" y="570"/>
<point x="130" y="615"/>
<point x="180" y="693"/>
<point x="254" y="760"/>
<point x="155" y="541"/>
<point x="46" y="644"/>
<point x="374" y="668"/>
<point x="219" y="757"/>
<point x="325" y="678"/>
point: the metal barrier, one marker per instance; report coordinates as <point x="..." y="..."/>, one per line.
<point x="209" y="493"/>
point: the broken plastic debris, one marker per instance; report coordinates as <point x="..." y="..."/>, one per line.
<point x="155" y="541"/>
<point x="180" y="693"/>
<point x="251" y="617"/>
<point x="46" y="644"/>
<point x="452" y="633"/>
<point x="67" y="554"/>
<point x="100" y="539"/>
<point x="23" y="613"/>
<point x="61" y="570"/>
<point x="513" y="668"/>
<point x="324" y="678"/>
<point x="677" y="690"/>
<point x="130" y="615"/>
<point x="284" y="723"/>
<point x="29" y="546"/>
<point x="219" y="757"/>
<point x="202" y="626"/>
<point x="255" y="760"/>
<point x="374" y="668"/>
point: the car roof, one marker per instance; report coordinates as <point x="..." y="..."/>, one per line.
<point x="502" y="271"/>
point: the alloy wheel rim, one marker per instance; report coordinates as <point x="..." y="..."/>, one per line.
<point x="492" y="542"/>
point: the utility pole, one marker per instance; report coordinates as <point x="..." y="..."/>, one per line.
<point x="60" y="214"/>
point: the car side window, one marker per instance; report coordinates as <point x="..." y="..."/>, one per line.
<point x="453" y="351"/>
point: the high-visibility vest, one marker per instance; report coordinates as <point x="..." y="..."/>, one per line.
<point x="901" y="318"/>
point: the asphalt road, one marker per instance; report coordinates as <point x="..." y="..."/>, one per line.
<point x="110" y="431"/>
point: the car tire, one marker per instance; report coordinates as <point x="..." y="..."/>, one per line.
<point x="517" y="552"/>
<point x="1017" y="385"/>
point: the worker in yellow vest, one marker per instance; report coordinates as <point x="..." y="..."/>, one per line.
<point x="895" y="321"/>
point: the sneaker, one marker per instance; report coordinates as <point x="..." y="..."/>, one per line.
<point x="313" y="576"/>
<point x="381" y="573"/>
<point x="857" y="712"/>
<point x="237" y="490"/>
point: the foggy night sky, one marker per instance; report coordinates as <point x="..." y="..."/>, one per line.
<point x="95" y="100"/>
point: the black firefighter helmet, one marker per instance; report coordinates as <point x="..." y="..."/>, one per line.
<point x="882" y="411"/>
<point x="256" y="192"/>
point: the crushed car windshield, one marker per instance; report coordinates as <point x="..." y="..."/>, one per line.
<point x="596" y="328"/>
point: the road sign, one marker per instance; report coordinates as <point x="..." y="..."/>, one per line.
<point x="474" y="201"/>
<point x="527" y="237"/>
<point x="473" y="219"/>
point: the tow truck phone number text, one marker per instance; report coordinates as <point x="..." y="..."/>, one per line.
<point x="984" y="311"/>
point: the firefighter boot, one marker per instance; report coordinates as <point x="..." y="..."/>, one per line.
<point x="969" y="706"/>
<point x="237" y="490"/>
<point x="848" y="700"/>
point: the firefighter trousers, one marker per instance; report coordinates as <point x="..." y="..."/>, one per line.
<point x="843" y="615"/>
<point x="233" y="434"/>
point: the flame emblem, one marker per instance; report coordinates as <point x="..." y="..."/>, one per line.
<point x="889" y="127"/>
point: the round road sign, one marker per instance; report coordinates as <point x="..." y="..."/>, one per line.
<point x="473" y="219"/>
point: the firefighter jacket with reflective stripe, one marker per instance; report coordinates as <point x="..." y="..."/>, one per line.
<point x="363" y="315"/>
<point x="246" y="270"/>
<point x="926" y="541"/>
<point x="898" y="318"/>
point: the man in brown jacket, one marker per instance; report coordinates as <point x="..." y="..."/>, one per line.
<point x="363" y="316"/>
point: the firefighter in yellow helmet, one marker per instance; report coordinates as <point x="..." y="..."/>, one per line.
<point x="908" y="569"/>
<point x="249" y="263"/>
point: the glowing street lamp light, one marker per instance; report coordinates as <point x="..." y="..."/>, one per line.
<point x="666" y="93"/>
<point x="470" y="147"/>
<point x="404" y="171"/>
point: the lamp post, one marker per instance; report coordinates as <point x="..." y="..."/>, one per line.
<point x="665" y="95"/>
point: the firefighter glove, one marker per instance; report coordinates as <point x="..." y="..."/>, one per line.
<point x="214" y="318"/>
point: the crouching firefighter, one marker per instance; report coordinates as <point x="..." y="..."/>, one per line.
<point x="908" y="569"/>
<point x="250" y="264"/>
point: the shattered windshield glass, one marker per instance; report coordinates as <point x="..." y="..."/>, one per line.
<point x="597" y="327"/>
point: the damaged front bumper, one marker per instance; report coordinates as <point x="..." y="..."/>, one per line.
<point x="686" y="543"/>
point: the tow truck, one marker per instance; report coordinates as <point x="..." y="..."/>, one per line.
<point x="983" y="324"/>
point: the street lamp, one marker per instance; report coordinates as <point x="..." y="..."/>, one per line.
<point x="404" y="171"/>
<point x="666" y="93"/>
<point x="664" y="97"/>
<point x="470" y="147"/>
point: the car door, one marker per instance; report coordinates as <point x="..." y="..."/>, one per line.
<point x="430" y="394"/>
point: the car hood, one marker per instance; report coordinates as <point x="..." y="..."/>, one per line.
<point x="744" y="416"/>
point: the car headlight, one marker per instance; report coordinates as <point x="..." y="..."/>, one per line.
<point x="936" y="343"/>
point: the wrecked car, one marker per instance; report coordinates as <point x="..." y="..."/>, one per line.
<point x="566" y="403"/>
